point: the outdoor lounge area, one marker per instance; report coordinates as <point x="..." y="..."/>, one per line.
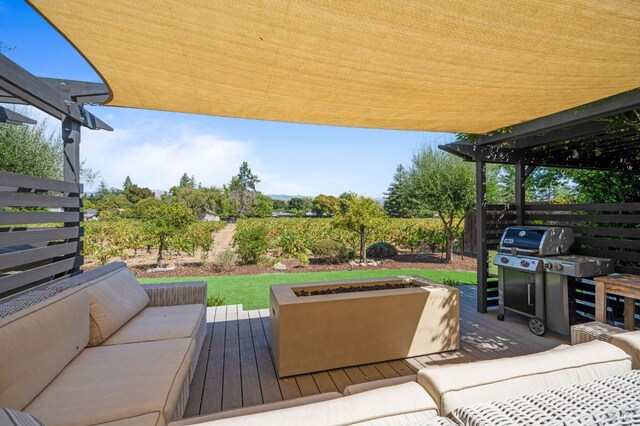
<point x="550" y="333"/>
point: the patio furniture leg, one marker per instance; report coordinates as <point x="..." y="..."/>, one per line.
<point x="601" y="303"/>
<point x="629" y="313"/>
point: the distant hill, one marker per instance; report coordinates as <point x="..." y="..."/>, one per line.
<point x="285" y="197"/>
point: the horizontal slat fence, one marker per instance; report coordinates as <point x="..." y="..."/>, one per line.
<point x="609" y="230"/>
<point x="40" y="232"/>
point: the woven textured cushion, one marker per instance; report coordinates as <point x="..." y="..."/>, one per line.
<point x="453" y="386"/>
<point x="38" y="342"/>
<point x="10" y="417"/>
<point x="591" y="403"/>
<point x="630" y="343"/>
<point x="364" y="407"/>
<point x="114" y="299"/>
<point x="109" y="383"/>
<point x="160" y="323"/>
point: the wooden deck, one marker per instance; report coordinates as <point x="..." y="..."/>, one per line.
<point x="235" y="367"/>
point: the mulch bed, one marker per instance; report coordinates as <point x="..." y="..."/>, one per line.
<point x="402" y="261"/>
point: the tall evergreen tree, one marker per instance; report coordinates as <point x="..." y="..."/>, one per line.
<point x="127" y="183"/>
<point x="397" y="202"/>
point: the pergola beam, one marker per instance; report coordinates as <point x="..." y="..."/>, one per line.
<point x="11" y="117"/>
<point x="560" y="159"/>
<point x="18" y="83"/>
<point x="581" y="130"/>
<point x="613" y="105"/>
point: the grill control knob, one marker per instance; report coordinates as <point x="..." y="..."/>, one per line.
<point x="524" y="263"/>
<point x="547" y="265"/>
<point x="504" y="259"/>
<point x="557" y="267"/>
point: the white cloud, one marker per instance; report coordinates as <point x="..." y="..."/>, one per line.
<point x="157" y="157"/>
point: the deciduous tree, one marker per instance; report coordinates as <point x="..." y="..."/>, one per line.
<point x="361" y="215"/>
<point x="443" y="183"/>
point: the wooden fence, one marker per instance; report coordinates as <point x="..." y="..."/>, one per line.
<point x="610" y="230"/>
<point x="40" y="232"/>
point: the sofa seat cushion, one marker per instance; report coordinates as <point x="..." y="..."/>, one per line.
<point x="366" y="406"/>
<point x="630" y="343"/>
<point x="117" y="382"/>
<point x="160" y="323"/>
<point x="454" y="386"/>
<point x="114" y="299"/>
<point x="36" y="344"/>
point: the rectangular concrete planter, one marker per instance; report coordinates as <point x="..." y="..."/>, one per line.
<point x="321" y="332"/>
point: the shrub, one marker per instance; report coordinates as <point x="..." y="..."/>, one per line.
<point x="330" y="250"/>
<point x="451" y="282"/>
<point x="381" y="250"/>
<point x="215" y="300"/>
<point x="227" y="260"/>
<point x="252" y="243"/>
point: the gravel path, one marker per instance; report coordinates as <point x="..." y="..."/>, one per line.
<point x="223" y="240"/>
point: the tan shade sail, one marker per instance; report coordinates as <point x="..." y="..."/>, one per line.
<point x="439" y="65"/>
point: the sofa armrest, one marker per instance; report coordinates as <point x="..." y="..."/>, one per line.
<point x="182" y="293"/>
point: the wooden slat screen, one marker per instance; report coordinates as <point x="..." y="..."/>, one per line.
<point x="40" y="232"/>
<point x="609" y="230"/>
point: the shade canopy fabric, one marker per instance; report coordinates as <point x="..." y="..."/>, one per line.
<point x="438" y="65"/>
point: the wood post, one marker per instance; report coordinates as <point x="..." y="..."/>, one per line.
<point x="520" y="193"/>
<point x="71" y="139"/>
<point x="71" y="172"/>
<point x="481" y="235"/>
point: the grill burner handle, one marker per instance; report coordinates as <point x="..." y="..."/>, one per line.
<point x="529" y="294"/>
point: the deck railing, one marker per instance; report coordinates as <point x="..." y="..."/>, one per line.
<point x="40" y="232"/>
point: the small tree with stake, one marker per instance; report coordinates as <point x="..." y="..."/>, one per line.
<point x="361" y="215"/>
<point x="162" y="221"/>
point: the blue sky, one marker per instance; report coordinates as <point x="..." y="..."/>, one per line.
<point x="155" y="148"/>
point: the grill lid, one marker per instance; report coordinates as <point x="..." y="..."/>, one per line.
<point x="540" y="240"/>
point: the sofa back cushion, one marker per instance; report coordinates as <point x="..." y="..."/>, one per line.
<point x="465" y="384"/>
<point x="36" y="343"/>
<point x="630" y="343"/>
<point x="114" y="299"/>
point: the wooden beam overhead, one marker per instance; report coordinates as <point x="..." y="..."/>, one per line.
<point x="41" y="93"/>
<point x="11" y="117"/>
<point x="610" y="106"/>
<point x="584" y="160"/>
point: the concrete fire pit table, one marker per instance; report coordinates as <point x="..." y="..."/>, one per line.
<point x="314" y="332"/>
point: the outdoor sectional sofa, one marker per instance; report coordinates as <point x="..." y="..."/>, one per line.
<point x="101" y="349"/>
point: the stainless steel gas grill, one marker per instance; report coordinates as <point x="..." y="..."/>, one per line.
<point x="536" y="276"/>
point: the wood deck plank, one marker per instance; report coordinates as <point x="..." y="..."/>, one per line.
<point x="251" y="392"/>
<point x="386" y="370"/>
<point x="324" y="382"/>
<point x="401" y="368"/>
<point x="212" y="393"/>
<point x="236" y="368"/>
<point x="232" y="380"/>
<point x="306" y="384"/>
<point x="288" y="386"/>
<point x="196" y="387"/>
<point x="266" y="371"/>
<point x="340" y="379"/>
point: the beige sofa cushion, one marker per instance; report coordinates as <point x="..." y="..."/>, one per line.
<point x="375" y="384"/>
<point x="149" y="419"/>
<point x="463" y="384"/>
<point x="253" y="409"/>
<point x="117" y="382"/>
<point x="160" y="323"/>
<point x="630" y="343"/>
<point x="38" y="342"/>
<point x="384" y="402"/>
<point x="113" y="300"/>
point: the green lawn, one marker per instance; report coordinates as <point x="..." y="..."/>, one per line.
<point x="252" y="291"/>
